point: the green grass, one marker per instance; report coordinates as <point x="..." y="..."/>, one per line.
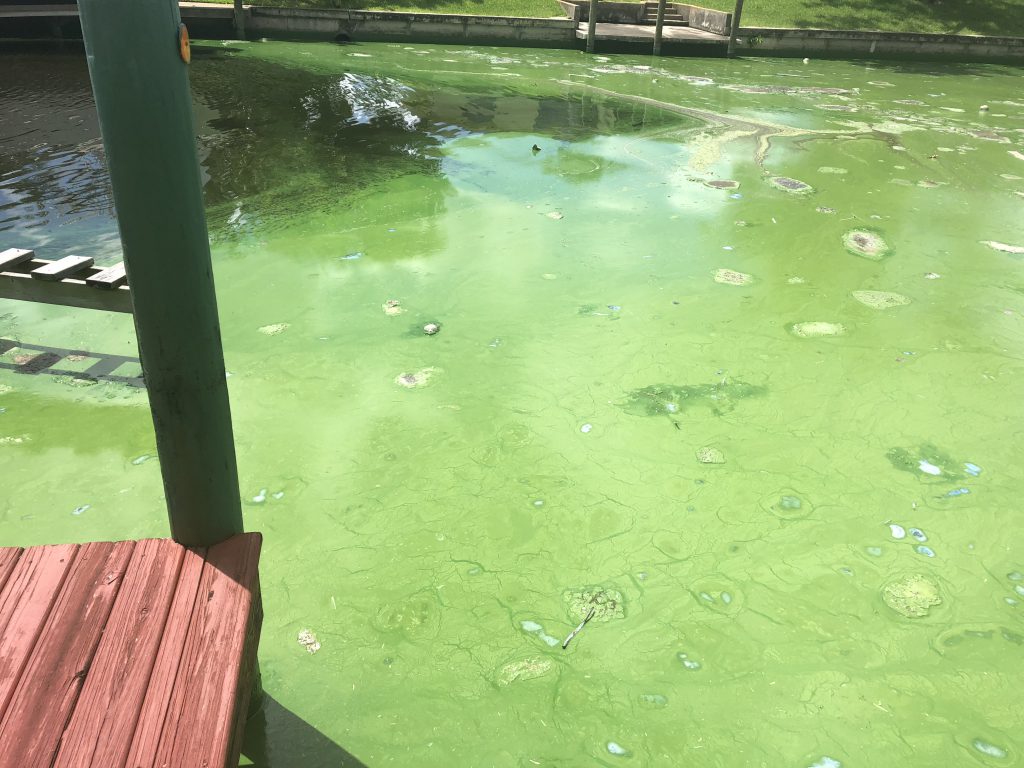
<point x="962" y="17"/>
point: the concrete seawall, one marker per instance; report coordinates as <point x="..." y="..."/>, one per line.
<point x="767" y="41"/>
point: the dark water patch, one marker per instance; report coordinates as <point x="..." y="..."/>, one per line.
<point x="927" y="463"/>
<point x="661" y="399"/>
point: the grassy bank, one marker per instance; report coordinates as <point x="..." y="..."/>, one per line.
<point x="961" y="17"/>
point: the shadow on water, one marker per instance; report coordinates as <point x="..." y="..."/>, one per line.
<point x="275" y="737"/>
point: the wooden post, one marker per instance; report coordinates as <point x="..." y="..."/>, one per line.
<point x="140" y="82"/>
<point x="592" y="26"/>
<point x="239" y="20"/>
<point x="657" y="27"/>
<point x="735" y="28"/>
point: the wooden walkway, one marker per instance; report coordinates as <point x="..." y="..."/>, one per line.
<point x="134" y="654"/>
<point x="644" y="33"/>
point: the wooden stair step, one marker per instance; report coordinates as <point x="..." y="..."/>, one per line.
<point x="14" y="256"/>
<point x="61" y="268"/>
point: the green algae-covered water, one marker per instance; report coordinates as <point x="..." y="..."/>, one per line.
<point x="730" y="359"/>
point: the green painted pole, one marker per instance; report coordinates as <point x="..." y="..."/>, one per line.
<point x="140" y="82"/>
<point x="592" y="26"/>
<point x="735" y="28"/>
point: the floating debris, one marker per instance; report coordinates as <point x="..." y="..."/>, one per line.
<point x="816" y="329"/>
<point x="921" y="549"/>
<point x="392" y="307"/>
<point x="731" y="277"/>
<point x="417" y="379"/>
<point x="866" y="244"/>
<point x="351" y="256"/>
<point x="1004" y="247"/>
<point x="616" y="749"/>
<point x="722" y="184"/>
<point x="530" y="626"/>
<point x="929" y="184"/>
<point x="932" y="275"/>
<point x="277" y="495"/>
<point x="958" y="492"/>
<point x="431" y="328"/>
<point x="972" y="469"/>
<point x="81" y="509"/>
<point x="826" y="762"/>
<point x="790" y="185"/>
<point x="926" y="459"/>
<point x="918" y="534"/>
<point x="796" y="281"/>
<point x="710" y="455"/>
<point x="881" y="299"/>
<point x="260" y="497"/>
<point x="832" y="170"/>
<point x="912" y="596"/>
<point x="141" y="459"/>
<point x="273" y="330"/>
<point x="308" y="641"/>
<point x="556" y="215"/>
<point x="527" y="669"/>
<point x="897" y="531"/>
<point x="579" y="627"/>
<point x="586" y="428"/>
<point x="1015" y="153"/>
<point x="825" y="209"/>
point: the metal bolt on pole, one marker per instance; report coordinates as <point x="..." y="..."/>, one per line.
<point x="138" y="64"/>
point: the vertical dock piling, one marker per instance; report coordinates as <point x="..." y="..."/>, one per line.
<point x="592" y="26"/>
<point x="137" y="52"/>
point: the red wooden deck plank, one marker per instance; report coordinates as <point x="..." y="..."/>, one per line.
<point x="211" y="685"/>
<point x="101" y="728"/>
<point x="25" y="602"/>
<point x="8" y="559"/>
<point x="150" y="725"/>
<point x="48" y="689"/>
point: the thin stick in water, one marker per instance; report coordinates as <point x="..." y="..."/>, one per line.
<point x="577" y="630"/>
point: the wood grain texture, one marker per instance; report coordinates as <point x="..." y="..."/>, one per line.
<point x="48" y="690"/>
<point x="14" y="256"/>
<point x="100" y="730"/>
<point x="203" y="702"/>
<point x="8" y="559"/>
<point x="25" y="603"/>
<point x="150" y="725"/>
<point x="112" y="277"/>
<point x="61" y="268"/>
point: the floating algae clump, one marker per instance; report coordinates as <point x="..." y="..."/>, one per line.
<point x="787" y="184"/>
<point x="912" y="596"/>
<point x="527" y="669"/>
<point x="926" y="462"/>
<point x="606" y="603"/>
<point x="881" y="299"/>
<point x="273" y="330"/>
<point x="816" y="329"/>
<point x="722" y="184"/>
<point x="662" y="399"/>
<point x="1003" y="247"/>
<point x="731" y="277"/>
<point x="710" y="455"/>
<point x="866" y="244"/>
<point x="417" y="379"/>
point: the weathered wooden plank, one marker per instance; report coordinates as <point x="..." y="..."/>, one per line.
<point x="112" y="277"/>
<point x="150" y="725"/>
<point x="61" y="268"/>
<point x="48" y="690"/>
<point x="8" y="559"/>
<point x="14" y="256"/>
<point x="204" y="703"/>
<point x="25" y="603"/>
<point x="70" y="293"/>
<point x="101" y="728"/>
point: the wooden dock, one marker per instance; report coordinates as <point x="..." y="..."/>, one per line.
<point x="644" y="33"/>
<point x="133" y="654"/>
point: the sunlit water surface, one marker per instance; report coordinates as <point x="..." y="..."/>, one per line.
<point x="769" y="431"/>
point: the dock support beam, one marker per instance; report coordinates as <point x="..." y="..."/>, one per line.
<point x="239" y="20"/>
<point x="140" y="81"/>
<point x="592" y="26"/>
<point x="735" y="28"/>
